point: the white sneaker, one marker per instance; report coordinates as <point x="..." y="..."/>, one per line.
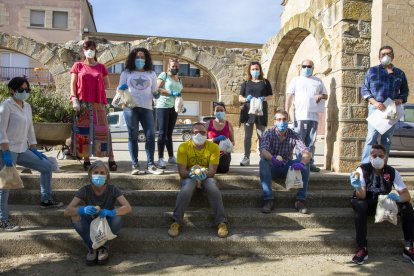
<point x="135" y="170"/>
<point x="161" y="163"/>
<point x="172" y="160"/>
<point x="154" y="170"/>
<point x="245" y="162"/>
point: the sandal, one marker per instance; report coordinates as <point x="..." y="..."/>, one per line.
<point x="112" y="166"/>
<point x="86" y="165"/>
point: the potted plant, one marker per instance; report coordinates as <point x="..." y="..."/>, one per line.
<point x="52" y="115"/>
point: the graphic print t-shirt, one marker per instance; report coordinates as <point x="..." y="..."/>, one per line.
<point x="188" y="155"/>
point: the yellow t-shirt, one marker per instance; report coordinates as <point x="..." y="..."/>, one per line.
<point x="188" y="154"/>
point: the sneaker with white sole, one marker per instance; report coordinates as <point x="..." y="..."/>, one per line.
<point x="135" y="170"/>
<point x="6" y="225"/>
<point x="161" y="163"/>
<point x="154" y="170"/>
<point x="245" y="161"/>
<point x="172" y="160"/>
<point x="103" y="255"/>
<point x="91" y="257"/>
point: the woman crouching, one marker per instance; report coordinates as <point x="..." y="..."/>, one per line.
<point x="99" y="198"/>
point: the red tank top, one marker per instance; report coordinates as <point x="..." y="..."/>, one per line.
<point x="212" y="132"/>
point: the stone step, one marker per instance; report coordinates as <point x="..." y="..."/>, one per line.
<point x="231" y="198"/>
<point x="247" y="241"/>
<point x="160" y="217"/>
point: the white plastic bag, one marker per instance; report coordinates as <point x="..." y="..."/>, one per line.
<point x="10" y="179"/>
<point x="122" y="99"/>
<point x="54" y="162"/>
<point x="226" y="145"/>
<point x="294" y="179"/>
<point x="386" y="210"/>
<point x="179" y="105"/>
<point x="100" y="232"/>
<point x="391" y="111"/>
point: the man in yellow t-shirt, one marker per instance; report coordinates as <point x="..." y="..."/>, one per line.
<point x="206" y="154"/>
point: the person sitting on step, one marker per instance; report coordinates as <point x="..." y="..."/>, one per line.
<point x="99" y="198"/>
<point x="373" y="179"/>
<point x="204" y="154"/>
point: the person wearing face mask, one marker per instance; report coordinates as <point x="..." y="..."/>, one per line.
<point x="307" y="92"/>
<point x="276" y="151"/>
<point x="98" y="198"/>
<point x="220" y="129"/>
<point x="18" y="146"/>
<point x="206" y="154"/>
<point x="170" y="87"/>
<point x="139" y="77"/>
<point x="375" y="178"/>
<point x="89" y="79"/>
<point x="255" y="86"/>
<point x="381" y="82"/>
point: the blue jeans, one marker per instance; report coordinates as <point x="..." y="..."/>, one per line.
<point x="167" y="118"/>
<point x="372" y="138"/>
<point x="268" y="171"/>
<point x="83" y="227"/>
<point x="29" y="160"/>
<point x="307" y="131"/>
<point x="146" y="117"/>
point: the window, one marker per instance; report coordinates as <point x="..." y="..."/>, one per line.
<point x="158" y="67"/>
<point x="117" y="68"/>
<point x="60" y="20"/>
<point x="184" y="69"/>
<point x="409" y="115"/>
<point x="113" y="119"/>
<point x="37" y="18"/>
<point x="194" y="71"/>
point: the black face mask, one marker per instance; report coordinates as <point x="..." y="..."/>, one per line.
<point x="174" y="71"/>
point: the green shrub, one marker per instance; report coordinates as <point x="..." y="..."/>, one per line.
<point x="46" y="106"/>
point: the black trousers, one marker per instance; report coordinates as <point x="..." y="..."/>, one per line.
<point x="364" y="207"/>
<point x="224" y="164"/>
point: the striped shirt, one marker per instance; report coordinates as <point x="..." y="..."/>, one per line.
<point x="380" y="85"/>
<point x="272" y="143"/>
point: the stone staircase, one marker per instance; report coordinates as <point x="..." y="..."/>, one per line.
<point x="328" y="229"/>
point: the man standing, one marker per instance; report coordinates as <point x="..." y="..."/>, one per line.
<point x="381" y="82"/>
<point x="205" y="154"/>
<point x="377" y="178"/>
<point x="308" y="91"/>
<point x="276" y="151"/>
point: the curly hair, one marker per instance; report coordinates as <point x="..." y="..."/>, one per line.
<point x="130" y="62"/>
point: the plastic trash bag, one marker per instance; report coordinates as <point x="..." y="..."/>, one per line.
<point x="226" y="145"/>
<point x="54" y="162"/>
<point x="294" y="179"/>
<point x="123" y="99"/>
<point x="386" y="210"/>
<point x="100" y="232"/>
<point x="10" y="179"/>
<point x="179" y="105"/>
<point x="391" y="111"/>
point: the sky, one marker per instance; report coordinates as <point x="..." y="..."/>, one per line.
<point x="253" y="21"/>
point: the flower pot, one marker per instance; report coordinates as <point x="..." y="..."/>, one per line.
<point x="52" y="134"/>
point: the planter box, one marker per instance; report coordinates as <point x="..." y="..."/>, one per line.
<point x="52" y="134"/>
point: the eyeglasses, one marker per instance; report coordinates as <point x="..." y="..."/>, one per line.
<point x="21" y="90"/>
<point x="378" y="155"/>
<point x="202" y="132"/>
<point x="307" y="66"/>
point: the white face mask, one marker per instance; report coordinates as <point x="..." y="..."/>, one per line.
<point x="89" y="53"/>
<point x="199" y="139"/>
<point x="386" y="60"/>
<point x="378" y="163"/>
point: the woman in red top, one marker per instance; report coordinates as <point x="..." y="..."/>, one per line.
<point x="218" y="130"/>
<point x="89" y="79"/>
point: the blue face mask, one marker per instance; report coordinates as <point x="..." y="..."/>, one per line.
<point x="98" y="180"/>
<point x="281" y="126"/>
<point x="21" y="96"/>
<point x="307" y="72"/>
<point x="220" y="115"/>
<point x="255" y="73"/>
<point x="139" y="63"/>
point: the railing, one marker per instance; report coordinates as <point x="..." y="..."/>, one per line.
<point x="33" y="75"/>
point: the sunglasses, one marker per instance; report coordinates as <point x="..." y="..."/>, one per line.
<point x="21" y="90"/>
<point x="307" y="66"/>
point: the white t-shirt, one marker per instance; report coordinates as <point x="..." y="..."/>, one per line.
<point x="305" y="89"/>
<point x="141" y="85"/>
<point x="398" y="182"/>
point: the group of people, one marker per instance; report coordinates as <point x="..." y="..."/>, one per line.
<point x="199" y="159"/>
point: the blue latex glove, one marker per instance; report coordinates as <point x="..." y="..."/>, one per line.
<point x="38" y="153"/>
<point x="123" y="87"/>
<point x="86" y="210"/>
<point x="248" y="98"/>
<point x="7" y="158"/>
<point x="276" y="163"/>
<point x="199" y="177"/>
<point x="107" y="213"/>
<point x="355" y="182"/>
<point x="219" y="138"/>
<point x="298" y="166"/>
<point x="262" y="98"/>
<point x="175" y="94"/>
<point x="394" y="197"/>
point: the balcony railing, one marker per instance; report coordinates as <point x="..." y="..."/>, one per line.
<point x="33" y="75"/>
